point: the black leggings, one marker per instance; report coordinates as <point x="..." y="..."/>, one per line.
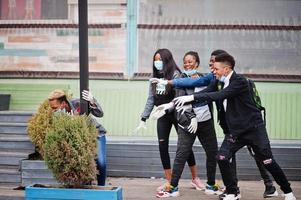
<point x="164" y="125"/>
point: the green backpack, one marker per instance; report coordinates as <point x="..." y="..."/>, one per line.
<point x="255" y="96"/>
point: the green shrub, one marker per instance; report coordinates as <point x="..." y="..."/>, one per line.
<point x="38" y="125"/>
<point x="70" y="149"/>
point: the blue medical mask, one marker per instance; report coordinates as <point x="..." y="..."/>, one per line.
<point x="190" y="72"/>
<point x="158" y="64"/>
<point x="223" y="78"/>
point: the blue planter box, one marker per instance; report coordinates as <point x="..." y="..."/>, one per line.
<point x="100" y="192"/>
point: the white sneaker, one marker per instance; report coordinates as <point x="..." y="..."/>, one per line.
<point x="231" y="197"/>
<point x="289" y="196"/>
<point x="222" y="196"/>
<point x="213" y="189"/>
<point x="172" y="192"/>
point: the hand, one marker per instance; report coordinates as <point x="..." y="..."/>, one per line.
<point x="158" y="81"/>
<point x="192" y="128"/>
<point x="142" y="125"/>
<point x="180" y="101"/>
<point x="182" y="109"/>
<point x="161" y="110"/>
<point x="87" y="95"/>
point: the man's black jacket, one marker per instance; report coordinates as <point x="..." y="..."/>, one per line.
<point x="241" y="113"/>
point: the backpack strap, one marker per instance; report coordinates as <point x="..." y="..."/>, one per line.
<point x="256" y="98"/>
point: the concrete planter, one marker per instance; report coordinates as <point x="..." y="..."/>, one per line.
<point x="98" y="192"/>
<point x="36" y="172"/>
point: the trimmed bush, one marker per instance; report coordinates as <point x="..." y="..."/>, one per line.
<point x="38" y="126"/>
<point x="70" y="149"/>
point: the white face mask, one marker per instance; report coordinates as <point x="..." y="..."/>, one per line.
<point x="61" y="110"/>
<point x="158" y="64"/>
<point x="190" y="72"/>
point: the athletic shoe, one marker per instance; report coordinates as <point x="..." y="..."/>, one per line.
<point x="168" y="192"/>
<point x="270" y="191"/>
<point x="162" y="187"/>
<point x="289" y="196"/>
<point x="222" y="196"/>
<point x="213" y="189"/>
<point x="197" y="184"/>
<point x="231" y="197"/>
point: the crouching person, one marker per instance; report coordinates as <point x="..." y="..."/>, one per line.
<point x="59" y="102"/>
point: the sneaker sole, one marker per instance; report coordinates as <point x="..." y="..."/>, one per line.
<point x="238" y="197"/>
<point x="174" y="194"/>
<point x="210" y="192"/>
<point x="275" y="194"/>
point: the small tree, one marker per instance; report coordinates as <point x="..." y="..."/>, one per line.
<point x="38" y="126"/>
<point x="70" y="149"/>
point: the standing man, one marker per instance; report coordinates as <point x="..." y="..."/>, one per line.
<point x="59" y="102"/>
<point x="244" y="121"/>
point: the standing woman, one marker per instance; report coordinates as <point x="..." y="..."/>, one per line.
<point x="164" y="67"/>
<point x="204" y="131"/>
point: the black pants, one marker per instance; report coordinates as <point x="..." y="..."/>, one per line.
<point x="207" y="137"/>
<point x="263" y="172"/>
<point x="258" y="140"/>
<point x="164" y="125"/>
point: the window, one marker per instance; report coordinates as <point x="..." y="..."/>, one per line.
<point x="33" y="9"/>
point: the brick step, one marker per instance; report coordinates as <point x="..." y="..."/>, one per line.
<point x="13" y="127"/>
<point x="16" y="143"/>
<point x="12" y="158"/>
<point x="10" y="176"/>
<point x="15" y="167"/>
<point x="15" y="116"/>
<point x="12" y="146"/>
<point x="14" y="137"/>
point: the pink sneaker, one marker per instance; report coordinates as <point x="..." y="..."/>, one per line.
<point x="197" y="184"/>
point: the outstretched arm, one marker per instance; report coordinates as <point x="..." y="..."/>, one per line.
<point x="234" y="88"/>
<point x="192" y="82"/>
<point x="185" y="82"/>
